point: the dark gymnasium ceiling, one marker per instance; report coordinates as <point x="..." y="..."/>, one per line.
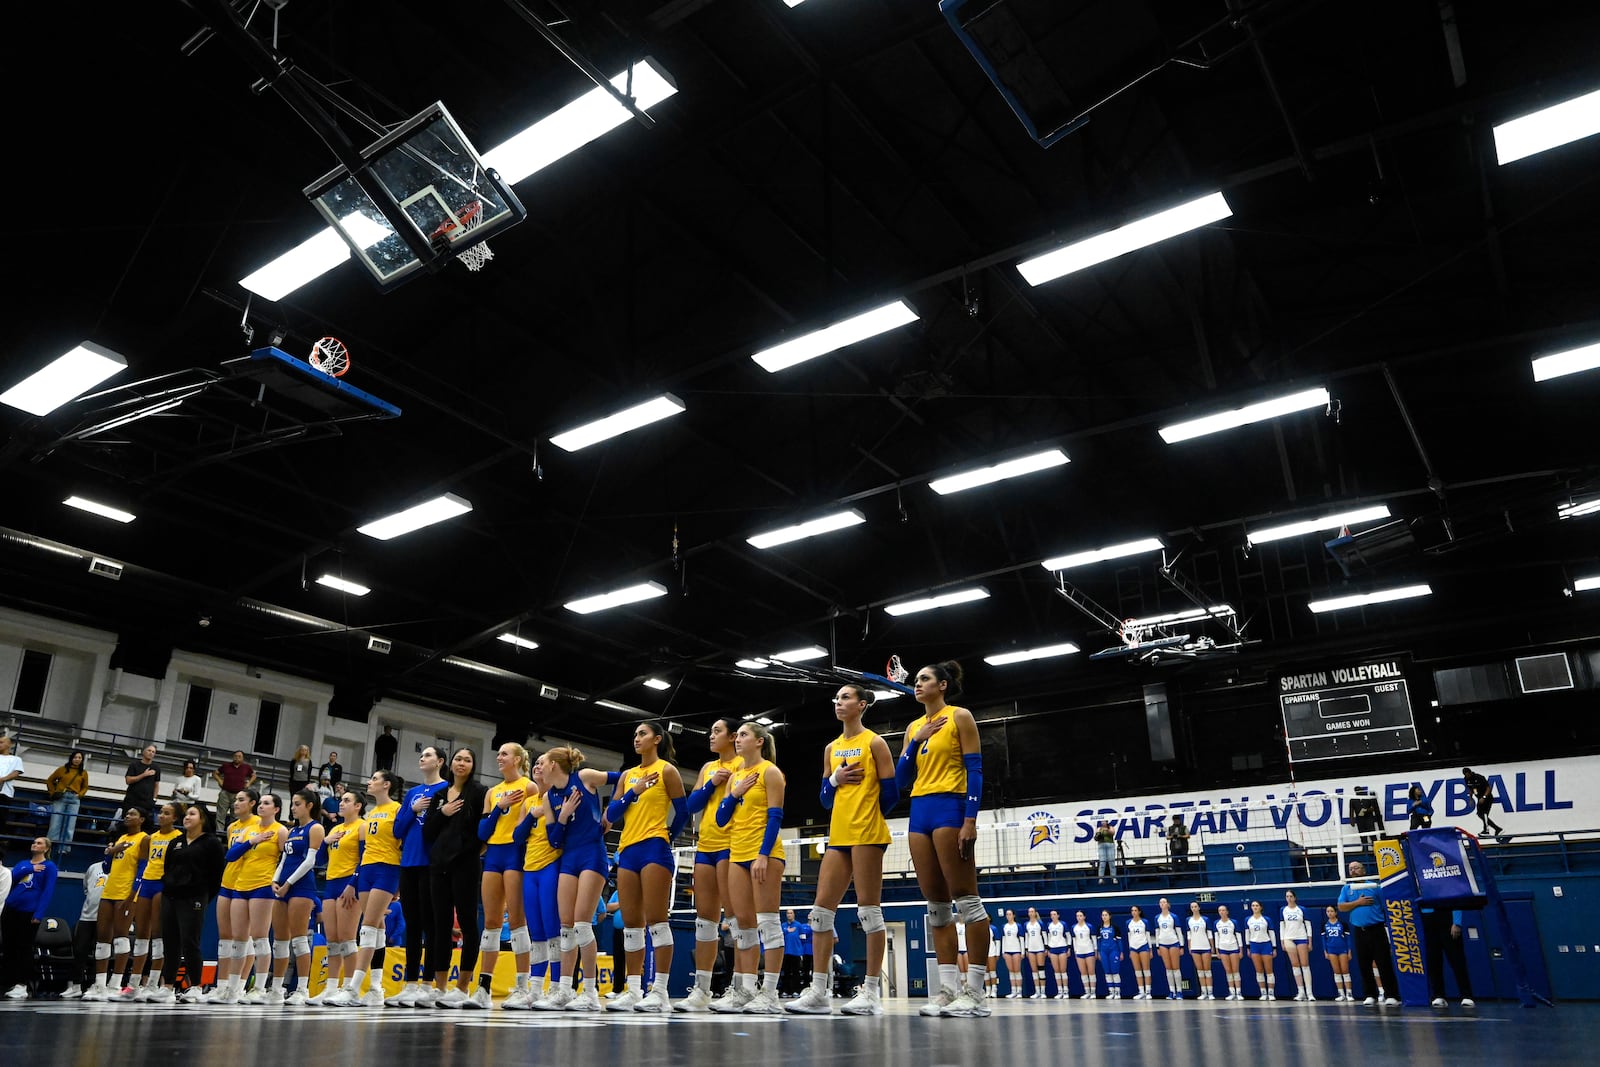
<point x="817" y="161"/>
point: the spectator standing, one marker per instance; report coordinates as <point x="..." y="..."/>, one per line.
<point x="232" y="778"/>
<point x="1359" y="900"/>
<point x="66" y="787"/>
<point x="33" y="886"/>
<point x="186" y="790"/>
<point x="1483" y="799"/>
<point x="1178" y="841"/>
<point x="1366" y="815"/>
<point x="384" y="749"/>
<point x="10" y="771"/>
<point x="790" y="983"/>
<point x="142" y="778"/>
<point x="1420" y="808"/>
<point x="83" y="935"/>
<point x="300" y="770"/>
<point x="333" y="771"/>
<point x="1105" y="845"/>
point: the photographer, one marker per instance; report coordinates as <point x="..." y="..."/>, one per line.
<point x="1366" y="815"/>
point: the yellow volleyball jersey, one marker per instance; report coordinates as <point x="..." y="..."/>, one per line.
<point x="714" y="838"/>
<point x="119" y="882"/>
<point x="857" y="819"/>
<point x="541" y="853"/>
<point x="258" y="865"/>
<point x="749" y="823"/>
<point x="344" y="850"/>
<point x="647" y="816"/>
<point x="939" y="766"/>
<point x="381" y="846"/>
<point x="506" y="825"/>
<point x="238" y="829"/>
<point x="156" y="869"/>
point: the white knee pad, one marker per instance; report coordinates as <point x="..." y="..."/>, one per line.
<point x="158" y="949"/>
<point x="552" y="949"/>
<point x="747" y="939"/>
<point x="141" y="946"/>
<point x="520" y="941"/>
<point x="940" y="913"/>
<point x="583" y="934"/>
<point x="227" y="950"/>
<point x="568" y="940"/>
<point x="367" y="938"/>
<point x="489" y="941"/>
<point x="301" y="946"/>
<point x="538" y="952"/>
<point x="705" y="929"/>
<point x="633" y="939"/>
<point x="263" y="948"/>
<point x="821" y="919"/>
<point x="971" y="909"/>
<point x="102" y="951"/>
<point x="121" y="946"/>
<point x="871" y="917"/>
<point x="770" y="930"/>
<point x="383" y="936"/>
<point x="661" y="935"/>
<point x="335" y="950"/>
<point x="280" y="950"/>
<point x="349" y="948"/>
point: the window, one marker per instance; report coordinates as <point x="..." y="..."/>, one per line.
<point x="196" y="713"/>
<point x="266" y="741"/>
<point x="32" y="680"/>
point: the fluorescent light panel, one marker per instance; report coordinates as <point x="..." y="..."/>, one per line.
<point x="1098" y="555"/>
<point x="1217" y="612"/>
<point x="520" y="642"/>
<point x="1012" y="468"/>
<point x="95" y="508"/>
<point x="827" y="524"/>
<point x="800" y="655"/>
<point x="1227" y="420"/>
<point x="617" y="597"/>
<point x="1066" y="648"/>
<point x="831" y="338"/>
<point x="1337" y="520"/>
<point x="657" y="683"/>
<point x="1578" y="508"/>
<point x="68" y="375"/>
<point x="1152" y="229"/>
<point x="616" y="706"/>
<point x="1548" y="128"/>
<point x="592" y="433"/>
<point x="1585" y="584"/>
<point x="335" y="582"/>
<point x="1571" y="362"/>
<point x="944" y="600"/>
<point x="1362" y="599"/>
<point x="886" y="694"/>
<point x="416" y="517"/>
<point x="753" y="664"/>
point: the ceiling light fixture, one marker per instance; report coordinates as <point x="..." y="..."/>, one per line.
<point x="1336" y="521"/>
<point x="335" y="582"/>
<point x="1578" y="508"/>
<point x="1548" y="128"/>
<point x="68" y="375"/>
<point x="885" y="694"/>
<point x="1012" y="468"/>
<point x="827" y="524"/>
<point x="1227" y="420"/>
<point x="416" y="517"/>
<point x="800" y="655"/>
<point x="1098" y="555"/>
<point x="95" y="508"/>
<point x="592" y="433"/>
<point x="657" y="684"/>
<point x="1382" y="596"/>
<point x="752" y="664"/>
<point x="520" y="642"/>
<point x="943" y="600"/>
<point x="1570" y="362"/>
<point x="1152" y="229"/>
<point x="1216" y="612"/>
<point x="618" y="706"/>
<point x="1585" y="584"/>
<point x="616" y="598"/>
<point x="1066" y="648"/>
<point x="831" y="338"/>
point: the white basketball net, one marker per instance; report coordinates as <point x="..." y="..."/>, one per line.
<point x="475" y="257"/>
<point x="330" y="357"/>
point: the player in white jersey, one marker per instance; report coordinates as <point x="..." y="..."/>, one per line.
<point x="1199" y="938"/>
<point x="1261" y="940"/>
<point x="1169" y="946"/>
<point x="1294" y="929"/>
<point x="1139" y="951"/>
<point x="1083" y="950"/>
<point x="1033" y="945"/>
<point x="1227" y="940"/>
<point x="961" y="946"/>
<point x="991" y="980"/>
<point x="1011" y="949"/>
<point x="1055" y="943"/>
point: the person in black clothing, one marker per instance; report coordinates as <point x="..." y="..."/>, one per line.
<point x="1366" y="815"/>
<point x="193" y="876"/>
<point x="141" y="779"/>
<point x="333" y="770"/>
<point x="1178" y="841"/>
<point x="384" y="749"/>
<point x="451" y="830"/>
<point x="1483" y="799"/>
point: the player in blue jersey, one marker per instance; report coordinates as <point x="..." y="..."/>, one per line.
<point x="1336" y="949"/>
<point x="294" y="885"/>
<point x="1108" y="946"/>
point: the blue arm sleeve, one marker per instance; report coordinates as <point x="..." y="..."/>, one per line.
<point x="701" y="797"/>
<point x="556" y="831"/>
<point x="521" y="832"/>
<point x="680" y="817"/>
<point x="888" y="794"/>
<point x="726" y="808"/>
<point x="613" y="777"/>
<point x="905" y="771"/>
<point x="619" y="807"/>
<point x="404" y="819"/>
<point x="826" y="796"/>
<point x="774" y="824"/>
<point x="238" y="850"/>
<point x="486" y="824"/>
<point x="974" y="764"/>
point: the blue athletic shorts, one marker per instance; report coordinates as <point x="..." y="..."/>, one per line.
<point x="1061" y="951"/>
<point x="936" y="811"/>
<point x="227" y="894"/>
<point x="1227" y="952"/>
<point x="260" y="892"/>
<point x="641" y="854"/>
<point x="1011" y="955"/>
<point x="1111" y="964"/>
<point x="502" y="858"/>
<point x="148" y="888"/>
<point x="711" y="859"/>
<point x="1084" y="955"/>
<point x="381" y="876"/>
<point x="590" y="857"/>
<point x="1297" y="941"/>
<point x="303" y="889"/>
<point x="1261" y="948"/>
<point x="333" y="888"/>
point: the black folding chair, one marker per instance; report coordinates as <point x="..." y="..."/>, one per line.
<point x="54" y="966"/>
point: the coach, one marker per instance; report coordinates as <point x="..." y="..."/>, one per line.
<point x="1359" y="900"/>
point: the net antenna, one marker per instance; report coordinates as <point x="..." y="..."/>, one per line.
<point x="456" y="228"/>
<point x="330" y="356"/>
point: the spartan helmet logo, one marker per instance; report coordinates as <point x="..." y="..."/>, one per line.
<point x="1438" y="860"/>
<point x="1043" y="829"/>
<point x="1389" y="857"/>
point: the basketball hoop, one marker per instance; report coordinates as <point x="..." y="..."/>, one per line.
<point x="1130" y="633"/>
<point x="444" y="234"/>
<point x="330" y="356"/>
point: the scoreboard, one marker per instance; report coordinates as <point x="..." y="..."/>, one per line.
<point x="1348" y="709"/>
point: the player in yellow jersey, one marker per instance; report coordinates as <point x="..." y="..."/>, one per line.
<point x="753" y="813"/>
<point x="233" y="944"/>
<point x="257" y="853"/>
<point x="116" y="905"/>
<point x="503" y="809"/>
<point x="858" y="787"/>
<point x="147" y="947"/>
<point x="942" y="768"/>
<point x="377" y="881"/>
<point x="340" y="917"/>
<point x="650" y="805"/>
<point x="710" y="861"/>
